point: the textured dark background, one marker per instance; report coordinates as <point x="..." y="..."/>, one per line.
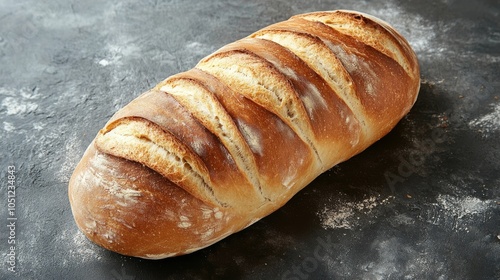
<point x="422" y="203"/>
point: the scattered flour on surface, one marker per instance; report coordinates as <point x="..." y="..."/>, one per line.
<point x="81" y="249"/>
<point x="344" y="214"/>
<point x="389" y="265"/>
<point x="38" y="126"/>
<point x="489" y="123"/>
<point x="19" y="101"/>
<point x="9" y="127"/>
<point x="14" y="106"/>
<point x="115" y="53"/>
<point x="459" y="213"/>
<point x="72" y="155"/>
<point x="462" y="207"/>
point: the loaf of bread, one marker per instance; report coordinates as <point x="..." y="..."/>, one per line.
<point x="210" y="151"/>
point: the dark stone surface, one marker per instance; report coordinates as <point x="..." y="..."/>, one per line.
<point x="422" y="203"/>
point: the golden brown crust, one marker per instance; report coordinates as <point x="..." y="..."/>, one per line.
<point x="321" y="103"/>
<point x="210" y="151"/>
<point x="371" y="31"/>
<point x="254" y="122"/>
<point x="376" y="79"/>
<point x="130" y="209"/>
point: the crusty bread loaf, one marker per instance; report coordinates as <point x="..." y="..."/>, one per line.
<point x="212" y="150"/>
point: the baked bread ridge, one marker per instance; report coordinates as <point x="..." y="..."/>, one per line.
<point x="210" y="151"/>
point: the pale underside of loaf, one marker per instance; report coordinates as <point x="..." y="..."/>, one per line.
<point x="242" y="132"/>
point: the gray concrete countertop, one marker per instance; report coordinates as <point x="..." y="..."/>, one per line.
<point x="422" y="203"/>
